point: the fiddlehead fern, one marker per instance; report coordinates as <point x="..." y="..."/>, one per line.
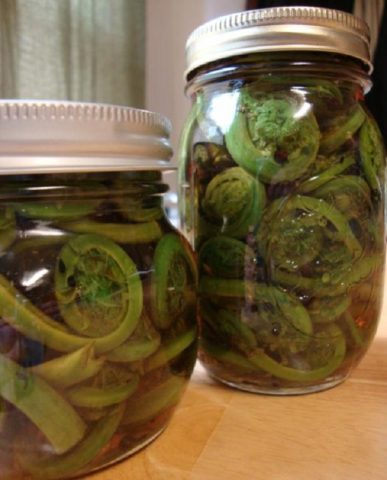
<point x="97" y="286"/>
<point x="226" y="257"/>
<point x="293" y="232"/>
<point x="351" y="196"/>
<point x="144" y="341"/>
<point x="120" y="233"/>
<point x="56" y="209"/>
<point x="342" y="129"/>
<point x="173" y="281"/>
<point x="276" y="334"/>
<point x="329" y="353"/>
<point x="232" y="204"/>
<point x="211" y="159"/>
<point x="325" y="169"/>
<point x="59" y="422"/>
<point x="274" y="310"/>
<point x="372" y="154"/>
<point x="164" y="396"/>
<point x="270" y="139"/>
<point x="75" y="460"/>
<point x="70" y="369"/>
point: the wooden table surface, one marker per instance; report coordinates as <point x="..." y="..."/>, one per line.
<point x="218" y="433"/>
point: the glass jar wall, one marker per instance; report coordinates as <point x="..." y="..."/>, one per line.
<point x="98" y="320"/>
<point x="282" y="196"/>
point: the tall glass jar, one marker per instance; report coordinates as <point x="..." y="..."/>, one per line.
<point x="97" y="289"/>
<point x="282" y="196"/>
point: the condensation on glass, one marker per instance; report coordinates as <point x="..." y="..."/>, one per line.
<point x="97" y="289"/>
<point x="282" y="196"/>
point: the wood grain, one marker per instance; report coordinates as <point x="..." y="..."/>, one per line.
<point x="218" y="432"/>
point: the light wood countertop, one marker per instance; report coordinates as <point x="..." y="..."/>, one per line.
<point x="221" y="433"/>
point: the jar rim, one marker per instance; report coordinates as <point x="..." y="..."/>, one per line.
<point x="46" y="136"/>
<point x="279" y="29"/>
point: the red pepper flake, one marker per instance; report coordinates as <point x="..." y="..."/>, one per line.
<point x="281" y="156"/>
<point x="114" y="444"/>
<point x="359" y="95"/>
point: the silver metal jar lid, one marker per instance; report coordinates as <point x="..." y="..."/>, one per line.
<point x="279" y="29"/>
<point x="59" y="136"/>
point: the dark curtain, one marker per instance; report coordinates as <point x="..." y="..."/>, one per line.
<point x="377" y="99"/>
<point x="346" y="5"/>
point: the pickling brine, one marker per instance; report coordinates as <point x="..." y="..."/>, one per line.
<point x="282" y="195"/>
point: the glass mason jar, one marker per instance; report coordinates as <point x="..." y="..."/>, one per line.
<point x="282" y="195"/>
<point x="97" y="289"/>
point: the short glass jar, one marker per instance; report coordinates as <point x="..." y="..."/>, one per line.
<point x="282" y="195"/>
<point x="97" y="289"/>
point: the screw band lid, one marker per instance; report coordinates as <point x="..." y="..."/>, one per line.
<point x="279" y="29"/>
<point x="58" y="136"/>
